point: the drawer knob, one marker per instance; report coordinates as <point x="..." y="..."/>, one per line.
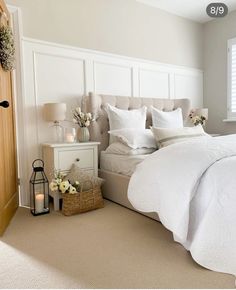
<point x="77" y="159"/>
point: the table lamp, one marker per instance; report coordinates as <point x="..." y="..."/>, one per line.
<point x="55" y="112"/>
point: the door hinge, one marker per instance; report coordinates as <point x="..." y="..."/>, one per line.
<point x="18" y="181"/>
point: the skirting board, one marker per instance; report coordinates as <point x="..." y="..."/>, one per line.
<point x="115" y="189"/>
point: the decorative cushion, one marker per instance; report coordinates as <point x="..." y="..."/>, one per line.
<point x="78" y="174"/>
<point x="172" y="119"/>
<point x="165" y="137"/>
<point x="135" y="138"/>
<point x="122" y="149"/>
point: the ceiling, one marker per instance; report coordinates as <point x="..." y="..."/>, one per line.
<point x="191" y="9"/>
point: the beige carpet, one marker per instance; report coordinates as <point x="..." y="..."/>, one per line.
<point x="107" y="248"/>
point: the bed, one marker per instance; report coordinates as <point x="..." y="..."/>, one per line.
<point x="116" y="185"/>
<point x="191" y="185"/>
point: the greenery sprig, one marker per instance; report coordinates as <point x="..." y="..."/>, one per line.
<point x="7" y="48"/>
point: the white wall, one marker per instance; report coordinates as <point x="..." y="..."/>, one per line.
<point x="216" y="34"/>
<point x="124" y="27"/>
<point x="55" y="73"/>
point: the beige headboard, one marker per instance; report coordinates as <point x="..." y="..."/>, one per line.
<point x="100" y="127"/>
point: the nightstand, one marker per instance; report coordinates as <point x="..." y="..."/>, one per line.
<point x="61" y="156"/>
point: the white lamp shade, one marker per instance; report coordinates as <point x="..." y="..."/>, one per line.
<point x="201" y="112"/>
<point x="54" y="112"/>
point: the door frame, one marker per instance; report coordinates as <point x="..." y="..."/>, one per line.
<point x="18" y="93"/>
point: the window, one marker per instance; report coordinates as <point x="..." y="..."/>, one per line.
<point x="232" y="78"/>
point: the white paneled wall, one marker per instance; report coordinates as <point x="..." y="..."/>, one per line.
<point x="189" y="86"/>
<point x="113" y="79"/>
<point x="57" y="73"/>
<point x="154" y="84"/>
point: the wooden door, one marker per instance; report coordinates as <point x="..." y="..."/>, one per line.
<point x="8" y="167"/>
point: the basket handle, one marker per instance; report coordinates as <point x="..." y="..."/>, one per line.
<point x="86" y="182"/>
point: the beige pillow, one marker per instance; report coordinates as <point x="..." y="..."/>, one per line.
<point x="165" y="136"/>
<point x="78" y="174"/>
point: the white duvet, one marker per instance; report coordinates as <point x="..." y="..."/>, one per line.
<point x="192" y="187"/>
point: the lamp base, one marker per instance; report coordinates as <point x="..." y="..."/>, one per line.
<point x="57" y="133"/>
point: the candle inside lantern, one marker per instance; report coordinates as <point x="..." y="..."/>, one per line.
<point x="39" y="202"/>
<point x="70" y="138"/>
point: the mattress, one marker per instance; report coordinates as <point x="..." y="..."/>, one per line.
<point x="122" y="164"/>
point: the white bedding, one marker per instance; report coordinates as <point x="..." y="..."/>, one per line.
<point x="122" y="164"/>
<point x="192" y="187"/>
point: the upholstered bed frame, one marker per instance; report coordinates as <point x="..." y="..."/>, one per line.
<point x="116" y="185"/>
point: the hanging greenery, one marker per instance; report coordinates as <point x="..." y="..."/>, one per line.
<point x="7" y="48"/>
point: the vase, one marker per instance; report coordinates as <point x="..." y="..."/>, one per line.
<point x="83" y="134"/>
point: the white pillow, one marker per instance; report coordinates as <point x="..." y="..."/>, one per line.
<point x="122" y="149"/>
<point x="135" y="138"/>
<point x="165" y="137"/>
<point x="119" y="119"/>
<point x="172" y="119"/>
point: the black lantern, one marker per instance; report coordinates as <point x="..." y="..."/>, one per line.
<point x="39" y="189"/>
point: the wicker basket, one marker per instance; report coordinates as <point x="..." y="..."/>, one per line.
<point x="82" y="201"/>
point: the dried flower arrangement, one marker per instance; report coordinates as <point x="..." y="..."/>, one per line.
<point x="196" y="120"/>
<point x="81" y="118"/>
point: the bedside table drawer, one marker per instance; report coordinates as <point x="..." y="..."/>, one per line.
<point x="67" y="157"/>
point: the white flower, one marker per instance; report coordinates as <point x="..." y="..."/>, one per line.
<point x="64" y="186"/>
<point x="78" y="110"/>
<point x="72" y="189"/>
<point x="53" y="186"/>
<point x="81" y="115"/>
<point x="89" y="115"/>
<point x="87" y="123"/>
<point x="196" y="119"/>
